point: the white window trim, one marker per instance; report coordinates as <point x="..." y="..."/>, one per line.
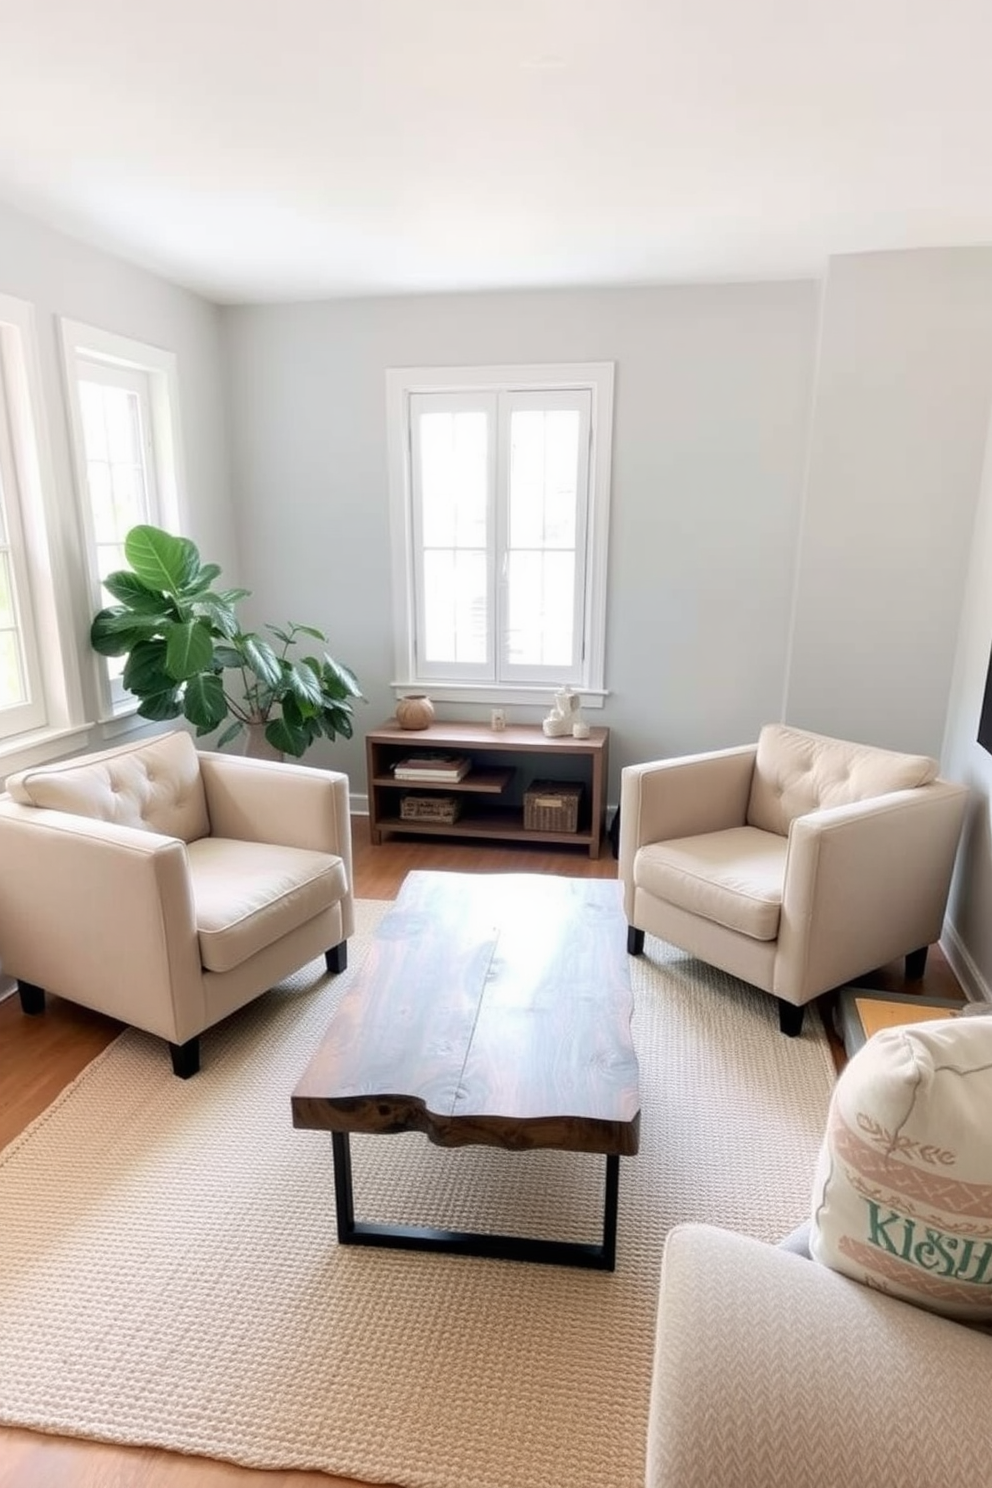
<point x="40" y="519"/>
<point x="89" y="343"/>
<point x="401" y="383"/>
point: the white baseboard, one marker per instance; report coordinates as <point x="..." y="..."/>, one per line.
<point x="959" y="959"/>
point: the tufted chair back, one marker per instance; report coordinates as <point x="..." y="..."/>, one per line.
<point x="796" y="772"/>
<point x="154" y="784"/>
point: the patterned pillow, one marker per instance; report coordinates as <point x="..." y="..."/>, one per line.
<point x="902" y="1198"/>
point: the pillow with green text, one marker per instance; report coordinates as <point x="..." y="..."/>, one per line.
<point x="902" y="1198"/>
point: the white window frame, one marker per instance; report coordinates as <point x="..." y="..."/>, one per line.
<point x="55" y="716"/>
<point x="402" y="384"/>
<point x="85" y="350"/>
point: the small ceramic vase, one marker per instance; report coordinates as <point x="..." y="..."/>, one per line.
<point x="415" y="711"/>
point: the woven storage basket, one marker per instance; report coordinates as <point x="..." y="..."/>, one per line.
<point x="430" y="808"/>
<point x="552" y="806"/>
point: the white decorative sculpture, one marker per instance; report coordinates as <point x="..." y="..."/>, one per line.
<point x="565" y="717"/>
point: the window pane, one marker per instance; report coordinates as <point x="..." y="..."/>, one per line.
<point x="544" y="449"/>
<point x="115" y="471"/>
<point x="7" y="619"/>
<point x="13" y="681"/>
<point x="453" y="459"/>
<point x="540" y="598"/>
<point x="123" y="426"/>
<point x="94" y="428"/>
<point x="455" y="606"/>
<point x="101" y="500"/>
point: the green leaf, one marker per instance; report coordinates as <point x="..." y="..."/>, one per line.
<point x="136" y="594"/>
<point x="344" y="678"/>
<point x="290" y="739"/>
<point x="145" y="672"/>
<point x="205" y="578"/>
<point x="262" y="660"/>
<point x="161" y="705"/>
<point x="231" y="596"/>
<point x="115" y="632"/>
<point x="310" y="630"/>
<point x="305" y="685"/>
<point x="217" y="613"/>
<point x="189" y="649"/>
<point x="205" y="703"/>
<point x="231" y="732"/>
<point x="161" y="560"/>
<point x="227" y="656"/>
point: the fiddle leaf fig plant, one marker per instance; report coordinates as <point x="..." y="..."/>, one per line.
<point x="187" y="655"/>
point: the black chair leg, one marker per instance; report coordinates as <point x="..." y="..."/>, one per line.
<point x="790" y="1018"/>
<point x="337" y="957"/>
<point x="32" y="998"/>
<point x="916" y="964"/>
<point x="635" y="941"/>
<point x="185" y="1058"/>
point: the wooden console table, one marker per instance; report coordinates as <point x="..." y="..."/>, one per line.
<point x="504" y="764"/>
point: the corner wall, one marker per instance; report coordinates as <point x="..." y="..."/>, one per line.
<point x="903" y="387"/>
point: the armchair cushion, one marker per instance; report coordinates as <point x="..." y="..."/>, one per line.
<point x="902" y="1198"/>
<point x="248" y="894"/>
<point x="154" y="784"/>
<point x="796" y="772"/>
<point x="734" y="877"/>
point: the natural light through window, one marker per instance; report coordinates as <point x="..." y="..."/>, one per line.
<point x="499" y="481"/>
<point x="13" y="673"/>
<point x="453" y="462"/>
<point x="123" y="402"/>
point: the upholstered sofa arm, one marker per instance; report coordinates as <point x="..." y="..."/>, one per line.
<point x="287" y="804"/>
<point x="863" y="883"/>
<point x="682" y="797"/>
<point x="102" y="885"/>
<point x="772" y="1369"/>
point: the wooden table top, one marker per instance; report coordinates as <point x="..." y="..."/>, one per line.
<point x="492" y="1009"/>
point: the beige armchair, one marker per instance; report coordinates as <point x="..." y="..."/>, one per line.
<point x="168" y="888"/>
<point x="797" y="864"/>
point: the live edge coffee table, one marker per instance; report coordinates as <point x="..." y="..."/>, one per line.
<point x="492" y="1009"/>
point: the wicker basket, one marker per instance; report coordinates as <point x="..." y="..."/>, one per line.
<point x="445" y="809"/>
<point x="552" y="806"/>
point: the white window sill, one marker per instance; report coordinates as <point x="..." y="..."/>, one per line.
<point x="496" y="696"/>
<point x="41" y="747"/>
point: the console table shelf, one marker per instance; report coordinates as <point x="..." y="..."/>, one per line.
<point x="504" y="765"/>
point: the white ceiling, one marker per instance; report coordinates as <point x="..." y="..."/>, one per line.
<point x="296" y="149"/>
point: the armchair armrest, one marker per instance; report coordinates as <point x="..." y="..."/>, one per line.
<point x="683" y="797"/>
<point x="774" y="1369"/>
<point x="288" y="805"/>
<point x="865" y="883"/>
<point x="101" y="884"/>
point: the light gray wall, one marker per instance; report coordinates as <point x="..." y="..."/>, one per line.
<point x="713" y="388"/>
<point x="969" y="938"/>
<point x="902" y="396"/>
<point x="62" y="277"/>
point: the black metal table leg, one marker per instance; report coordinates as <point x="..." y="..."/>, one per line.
<point x="463" y="1242"/>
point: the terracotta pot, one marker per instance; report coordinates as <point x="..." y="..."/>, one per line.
<point x="415" y="711"/>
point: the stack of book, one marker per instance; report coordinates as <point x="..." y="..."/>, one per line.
<point x="434" y="768"/>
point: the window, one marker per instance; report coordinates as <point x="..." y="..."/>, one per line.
<point x="124" y="414"/>
<point x="500" y="515"/>
<point x="22" y="695"/>
<point x="39" y="692"/>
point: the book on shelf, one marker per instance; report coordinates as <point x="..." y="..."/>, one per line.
<point x="446" y="768"/>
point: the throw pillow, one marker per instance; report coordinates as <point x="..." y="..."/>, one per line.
<point x="902" y="1198"/>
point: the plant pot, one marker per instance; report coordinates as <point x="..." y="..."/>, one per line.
<point x="254" y="744"/>
<point x="415" y="711"/>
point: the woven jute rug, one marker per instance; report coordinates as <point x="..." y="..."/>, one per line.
<point x="169" y="1272"/>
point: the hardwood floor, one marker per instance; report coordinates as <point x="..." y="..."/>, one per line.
<point x="40" y="1056"/>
